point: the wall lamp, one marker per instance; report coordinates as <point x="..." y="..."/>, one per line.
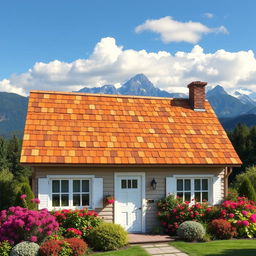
<point x="153" y="184"/>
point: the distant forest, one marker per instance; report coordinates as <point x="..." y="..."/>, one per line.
<point x="243" y="139"/>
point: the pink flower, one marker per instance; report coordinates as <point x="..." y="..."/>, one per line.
<point x="23" y="196"/>
<point x="231" y="215"/>
<point x="253" y="218"/>
<point x="246" y="223"/>
<point x="35" y="201"/>
<point x="33" y="239"/>
<point x="244" y="213"/>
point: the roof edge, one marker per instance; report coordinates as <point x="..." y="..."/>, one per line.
<point x="131" y="165"/>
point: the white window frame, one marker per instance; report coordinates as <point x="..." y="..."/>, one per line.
<point x="70" y="179"/>
<point x="192" y="178"/>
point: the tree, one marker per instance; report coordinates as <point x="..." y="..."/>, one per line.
<point x="3" y="154"/>
<point x="7" y="189"/>
<point x="13" y="157"/>
<point x="246" y="189"/>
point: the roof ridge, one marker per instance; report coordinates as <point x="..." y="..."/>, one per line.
<point x="104" y="95"/>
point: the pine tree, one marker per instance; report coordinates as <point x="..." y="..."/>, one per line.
<point x="246" y="189"/>
<point x="13" y="157"/>
<point x="3" y="154"/>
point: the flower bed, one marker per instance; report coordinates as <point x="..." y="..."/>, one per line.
<point x="77" y="223"/>
<point x="241" y="213"/>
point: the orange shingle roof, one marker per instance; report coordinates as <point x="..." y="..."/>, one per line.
<point x="76" y="128"/>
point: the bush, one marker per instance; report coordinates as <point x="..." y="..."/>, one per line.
<point x="64" y="247"/>
<point x="7" y="190"/>
<point x="232" y="194"/>
<point x="25" y="249"/>
<point x="5" y="248"/>
<point x="108" y="236"/>
<point x="25" y="189"/>
<point x="78" y="246"/>
<point x="246" y="189"/>
<point x="222" y="229"/>
<point x="191" y="231"/>
<point x="250" y="173"/>
<point x="20" y="224"/>
<point x="77" y="222"/>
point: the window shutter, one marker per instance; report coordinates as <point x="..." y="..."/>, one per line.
<point x="170" y="185"/>
<point x="97" y="193"/>
<point x="43" y="193"/>
<point x="217" y="195"/>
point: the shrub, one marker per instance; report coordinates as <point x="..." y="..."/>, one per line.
<point x="25" y="249"/>
<point x="20" y="224"/>
<point x="63" y="247"/>
<point x="80" y="220"/>
<point x="55" y="248"/>
<point x="25" y="189"/>
<point x="7" y="190"/>
<point x="250" y="172"/>
<point x="107" y="236"/>
<point x="232" y="194"/>
<point x="191" y="231"/>
<point x="246" y="189"/>
<point x="222" y="229"/>
<point x="5" y="248"/>
<point x="78" y="246"/>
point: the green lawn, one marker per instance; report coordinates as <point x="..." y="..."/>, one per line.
<point x="132" y="251"/>
<point x="219" y="248"/>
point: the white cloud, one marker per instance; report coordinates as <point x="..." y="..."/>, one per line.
<point x="111" y="64"/>
<point x="209" y="15"/>
<point x="174" y="31"/>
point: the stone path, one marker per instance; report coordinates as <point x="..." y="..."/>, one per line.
<point x="162" y="249"/>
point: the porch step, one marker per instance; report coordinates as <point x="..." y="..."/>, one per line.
<point x="148" y="238"/>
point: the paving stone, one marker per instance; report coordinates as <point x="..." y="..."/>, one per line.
<point x="161" y="245"/>
<point x="181" y="254"/>
<point x="154" y="250"/>
<point x="147" y="245"/>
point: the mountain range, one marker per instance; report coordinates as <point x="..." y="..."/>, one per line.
<point x="231" y="108"/>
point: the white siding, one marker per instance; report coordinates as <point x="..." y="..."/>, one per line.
<point x="43" y="193"/>
<point x="97" y="193"/>
<point x="170" y="185"/>
<point x="217" y="191"/>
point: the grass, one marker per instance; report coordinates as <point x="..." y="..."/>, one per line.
<point x="219" y="248"/>
<point x="134" y="251"/>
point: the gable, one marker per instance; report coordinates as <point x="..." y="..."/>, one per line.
<point x="75" y="128"/>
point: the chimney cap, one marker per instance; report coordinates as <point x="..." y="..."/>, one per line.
<point x="197" y="83"/>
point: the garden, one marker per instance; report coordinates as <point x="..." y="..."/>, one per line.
<point x="29" y="232"/>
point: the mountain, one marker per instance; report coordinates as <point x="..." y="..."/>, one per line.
<point x="138" y="85"/>
<point x="13" y="110"/>
<point x="226" y="105"/>
<point x="230" y="123"/>
<point x="239" y="106"/>
<point x="105" y="89"/>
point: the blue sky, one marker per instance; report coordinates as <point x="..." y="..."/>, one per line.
<point x="67" y="31"/>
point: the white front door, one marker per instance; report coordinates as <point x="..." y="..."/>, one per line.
<point x="128" y="202"/>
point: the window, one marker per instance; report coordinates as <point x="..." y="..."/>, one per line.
<point x="68" y="193"/>
<point x="129" y="183"/>
<point x="193" y="189"/>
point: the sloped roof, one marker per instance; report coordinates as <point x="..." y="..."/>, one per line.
<point x="76" y="128"/>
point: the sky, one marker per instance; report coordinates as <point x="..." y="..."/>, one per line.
<point x="67" y="45"/>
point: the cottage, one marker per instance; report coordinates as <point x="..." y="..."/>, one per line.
<point x="85" y="147"/>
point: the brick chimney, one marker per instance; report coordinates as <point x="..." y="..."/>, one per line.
<point x="197" y="95"/>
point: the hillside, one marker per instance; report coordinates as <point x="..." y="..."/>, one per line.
<point x="13" y="109"/>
